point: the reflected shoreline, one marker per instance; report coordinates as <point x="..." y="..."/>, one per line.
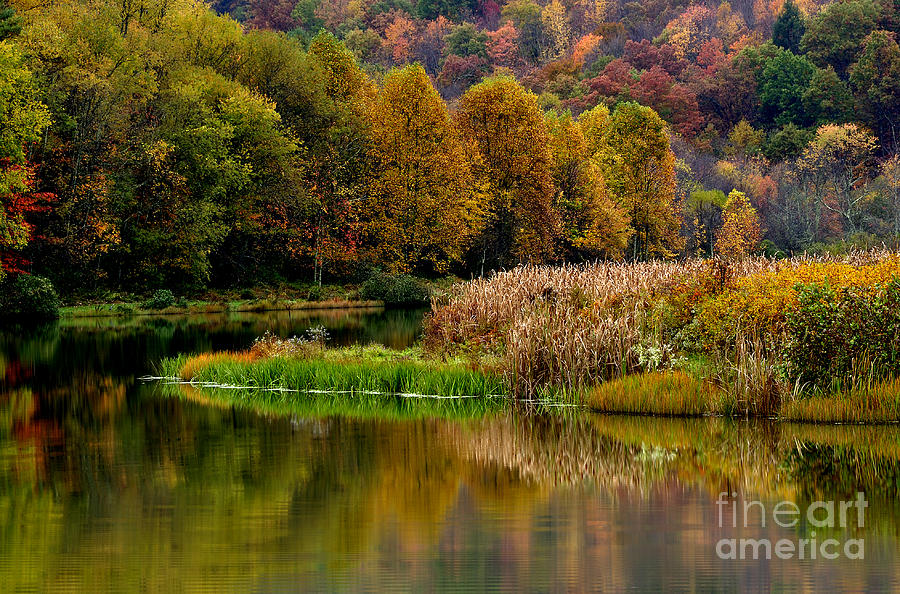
<point x="108" y="484"/>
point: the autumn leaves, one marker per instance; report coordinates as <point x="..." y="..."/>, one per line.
<point x="499" y="182"/>
<point x="423" y="204"/>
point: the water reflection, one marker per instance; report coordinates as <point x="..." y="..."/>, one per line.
<point x="107" y="484"/>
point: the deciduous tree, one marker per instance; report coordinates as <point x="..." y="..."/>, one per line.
<point x="835" y="36"/>
<point x="740" y="233"/>
<point x="422" y="208"/>
<point x="837" y="161"/>
<point x="639" y="167"/>
<point x="592" y="225"/>
<point x="875" y="79"/>
<point x="782" y="84"/>
<point x="23" y="118"/>
<point x="513" y="162"/>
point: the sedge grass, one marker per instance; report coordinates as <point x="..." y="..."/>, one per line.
<point x="350" y="371"/>
<point x="878" y="402"/>
<point x="668" y="393"/>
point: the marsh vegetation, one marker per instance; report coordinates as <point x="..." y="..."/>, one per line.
<point x="813" y="339"/>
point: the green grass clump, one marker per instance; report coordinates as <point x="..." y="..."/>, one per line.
<point x="878" y="402"/>
<point x="357" y="406"/>
<point x="673" y="393"/>
<point x="349" y="370"/>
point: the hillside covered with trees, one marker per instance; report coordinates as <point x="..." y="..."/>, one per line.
<point x="170" y="143"/>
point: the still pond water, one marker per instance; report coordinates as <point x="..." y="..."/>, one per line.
<point x="110" y="484"/>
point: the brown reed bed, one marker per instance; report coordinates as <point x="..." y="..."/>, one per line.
<point x="622" y="335"/>
<point x="567" y="326"/>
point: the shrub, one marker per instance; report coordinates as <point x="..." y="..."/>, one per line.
<point x="311" y="343"/>
<point x="161" y="299"/>
<point x="395" y="290"/>
<point x="29" y="296"/>
<point x="124" y="308"/>
<point x="833" y="333"/>
<point x="757" y="303"/>
<point x="314" y="293"/>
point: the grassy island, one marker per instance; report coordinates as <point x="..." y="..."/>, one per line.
<point x="809" y="339"/>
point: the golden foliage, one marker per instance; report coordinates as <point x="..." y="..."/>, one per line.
<point x="513" y="162"/>
<point x="422" y="207"/>
<point x="591" y="222"/>
<point x="634" y="155"/>
<point x="756" y="303"/>
<point x="740" y="232"/>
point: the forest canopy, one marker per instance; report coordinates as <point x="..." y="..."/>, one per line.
<point x="161" y="143"/>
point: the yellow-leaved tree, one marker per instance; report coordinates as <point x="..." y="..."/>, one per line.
<point x="837" y="163"/>
<point x="422" y="208"/>
<point x="512" y="162"/>
<point x="740" y="232"/>
<point x="631" y="148"/>
<point x="592" y="225"/>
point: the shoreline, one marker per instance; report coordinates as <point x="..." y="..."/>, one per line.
<point x="132" y="309"/>
<point x="375" y="372"/>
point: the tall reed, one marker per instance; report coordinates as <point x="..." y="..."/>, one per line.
<point x="566" y="326"/>
<point x="573" y="326"/>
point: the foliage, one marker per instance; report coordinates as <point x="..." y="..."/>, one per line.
<point x="395" y="290"/>
<point x="162" y="144"/>
<point x="10" y="22"/>
<point x="161" y="299"/>
<point x="592" y="224"/>
<point x="24" y="118"/>
<point x="875" y="79"/>
<point x="513" y="163"/>
<point x="635" y="157"/>
<point x="27" y="296"/>
<point x="787" y="142"/>
<point x="835" y="161"/>
<point x="740" y="233"/>
<point x="702" y="216"/>
<point x="835" y="35"/>
<point x="782" y="84"/>
<point x="423" y="207"/>
<point x="465" y="41"/>
<point x="766" y="332"/>
<point x="756" y="305"/>
<point x="835" y="333"/>
<point x="789" y="27"/>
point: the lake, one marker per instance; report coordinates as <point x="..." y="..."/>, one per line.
<point x="110" y="483"/>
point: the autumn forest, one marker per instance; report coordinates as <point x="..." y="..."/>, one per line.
<point x="172" y="143"/>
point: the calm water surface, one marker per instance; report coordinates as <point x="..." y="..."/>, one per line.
<point x="110" y="484"/>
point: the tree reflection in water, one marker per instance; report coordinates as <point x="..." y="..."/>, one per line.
<point x="108" y="484"/>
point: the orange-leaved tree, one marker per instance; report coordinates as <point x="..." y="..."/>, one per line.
<point x="421" y="210"/>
